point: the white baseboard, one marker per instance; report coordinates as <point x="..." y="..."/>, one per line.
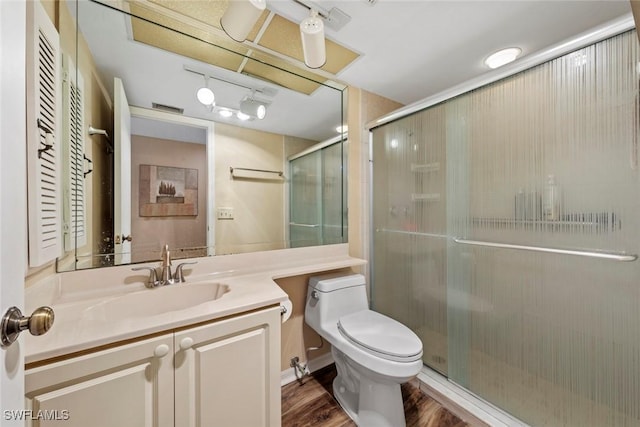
<point x="464" y="404"/>
<point x="289" y="375"/>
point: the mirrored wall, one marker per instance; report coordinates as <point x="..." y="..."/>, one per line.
<point x="149" y="165"/>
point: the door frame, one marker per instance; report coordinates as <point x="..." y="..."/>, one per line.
<point x="13" y="195"/>
<point x="209" y="127"/>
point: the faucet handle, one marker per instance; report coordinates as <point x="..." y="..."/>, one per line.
<point x="179" y="276"/>
<point x="152" y="282"/>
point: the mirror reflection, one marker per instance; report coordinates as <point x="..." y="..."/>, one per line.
<point x="179" y="136"/>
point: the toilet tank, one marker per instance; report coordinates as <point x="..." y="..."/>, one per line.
<point x="332" y="296"/>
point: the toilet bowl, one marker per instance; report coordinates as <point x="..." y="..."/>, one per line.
<point x="373" y="353"/>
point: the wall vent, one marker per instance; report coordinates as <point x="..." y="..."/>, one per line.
<point x="167" y="108"/>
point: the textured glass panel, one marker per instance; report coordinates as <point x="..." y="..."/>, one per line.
<point x="544" y="159"/>
<point x="409" y="220"/>
<point x="305" y="226"/>
<point x="333" y="214"/>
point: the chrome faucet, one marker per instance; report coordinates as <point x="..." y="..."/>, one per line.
<point x="166" y="277"/>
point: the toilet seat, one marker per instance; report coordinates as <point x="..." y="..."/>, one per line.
<point x="381" y="336"/>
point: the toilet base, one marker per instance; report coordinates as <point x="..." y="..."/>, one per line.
<point x="374" y="405"/>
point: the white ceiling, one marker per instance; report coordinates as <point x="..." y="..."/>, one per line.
<point x="414" y="49"/>
<point x="409" y="51"/>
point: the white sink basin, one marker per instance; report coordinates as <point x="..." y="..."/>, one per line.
<point x="151" y="302"/>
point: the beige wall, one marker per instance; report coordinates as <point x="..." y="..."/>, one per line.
<point x="363" y="107"/>
<point x="296" y="335"/>
<point x="257" y="199"/>
<point x="151" y="233"/>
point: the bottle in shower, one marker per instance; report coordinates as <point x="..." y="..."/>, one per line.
<point x="551" y="200"/>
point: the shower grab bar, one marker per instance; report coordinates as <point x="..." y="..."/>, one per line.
<point x="604" y="255"/>
<point x="304" y="225"/>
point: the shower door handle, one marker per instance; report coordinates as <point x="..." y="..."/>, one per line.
<point x="296" y="224"/>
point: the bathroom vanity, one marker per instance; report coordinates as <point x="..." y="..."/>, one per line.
<point x="224" y="372"/>
<point x="201" y="353"/>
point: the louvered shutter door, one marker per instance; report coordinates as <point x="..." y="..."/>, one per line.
<point x="74" y="212"/>
<point x="43" y="129"/>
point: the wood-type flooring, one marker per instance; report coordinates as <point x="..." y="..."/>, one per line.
<point x="311" y="404"/>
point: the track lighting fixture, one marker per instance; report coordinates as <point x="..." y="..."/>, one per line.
<point x="253" y="108"/>
<point x="240" y="17"/>
<point x="312" y="35"/>
<point x="205" y="95"/>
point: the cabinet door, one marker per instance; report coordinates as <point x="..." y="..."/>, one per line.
<point x="130" y="385"/>
<point x="227" y="374"/>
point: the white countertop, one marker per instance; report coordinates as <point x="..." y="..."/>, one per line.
<point x="250" y="278"/>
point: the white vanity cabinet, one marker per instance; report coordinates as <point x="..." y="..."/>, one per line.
<point x="225" y="373"/>
<point x="127" y="385"/>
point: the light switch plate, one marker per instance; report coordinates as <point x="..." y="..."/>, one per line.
<point x="225" y="213"/>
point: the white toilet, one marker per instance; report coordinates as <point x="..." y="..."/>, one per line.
<point x="373" y="353"/>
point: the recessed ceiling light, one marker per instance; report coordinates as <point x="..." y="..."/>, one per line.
<point x="502" y="57"/>
<point x="225" y="113"/>
<point x="342" y="129"/>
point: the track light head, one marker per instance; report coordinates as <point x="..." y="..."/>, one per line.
<point x="240" y="17"/>
<point x="206" y="97"/>
<point x="253" y="108"/>
<point x="313" y="45"/>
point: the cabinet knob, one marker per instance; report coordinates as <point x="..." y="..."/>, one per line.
<point x="186" y="343"/>
<point x="161" y="351"/>
<point x="13" y="322"/>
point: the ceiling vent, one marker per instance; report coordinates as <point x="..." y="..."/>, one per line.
<point x="371" y="2"/>
<point x="167" y="108"/>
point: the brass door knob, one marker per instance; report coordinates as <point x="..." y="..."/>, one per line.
<point x="127" y="238"/>
<point x="13" y="322"/>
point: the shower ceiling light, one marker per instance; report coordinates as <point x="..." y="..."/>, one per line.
<point x="240" y="17"/>
<point x="312" y="34"/>
<point x="253" y="108"/>
<point x="502" y="57"/>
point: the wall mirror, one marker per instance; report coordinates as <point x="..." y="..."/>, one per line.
<point x="150" y="164"/>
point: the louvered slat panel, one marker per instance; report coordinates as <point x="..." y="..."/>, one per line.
<point x="74" y="183"/>
<point x="43" y="120"/>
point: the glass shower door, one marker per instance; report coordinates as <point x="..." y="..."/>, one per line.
<point x="305" y="226"/>
<point x="550" y="336"/>
<point x="334" y="221"/>
<point x="523" y="287"/>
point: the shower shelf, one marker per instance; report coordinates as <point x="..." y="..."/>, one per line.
<point x="600" y="222"/>
<point x="425" y="197"/>
<point x="428" y="167"/>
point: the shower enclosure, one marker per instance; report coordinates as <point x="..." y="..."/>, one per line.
<point x="318" y="196"/>
<point x="506" y="228"/>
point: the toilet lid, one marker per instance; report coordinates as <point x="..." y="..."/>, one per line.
<point x="381" y="335"/>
